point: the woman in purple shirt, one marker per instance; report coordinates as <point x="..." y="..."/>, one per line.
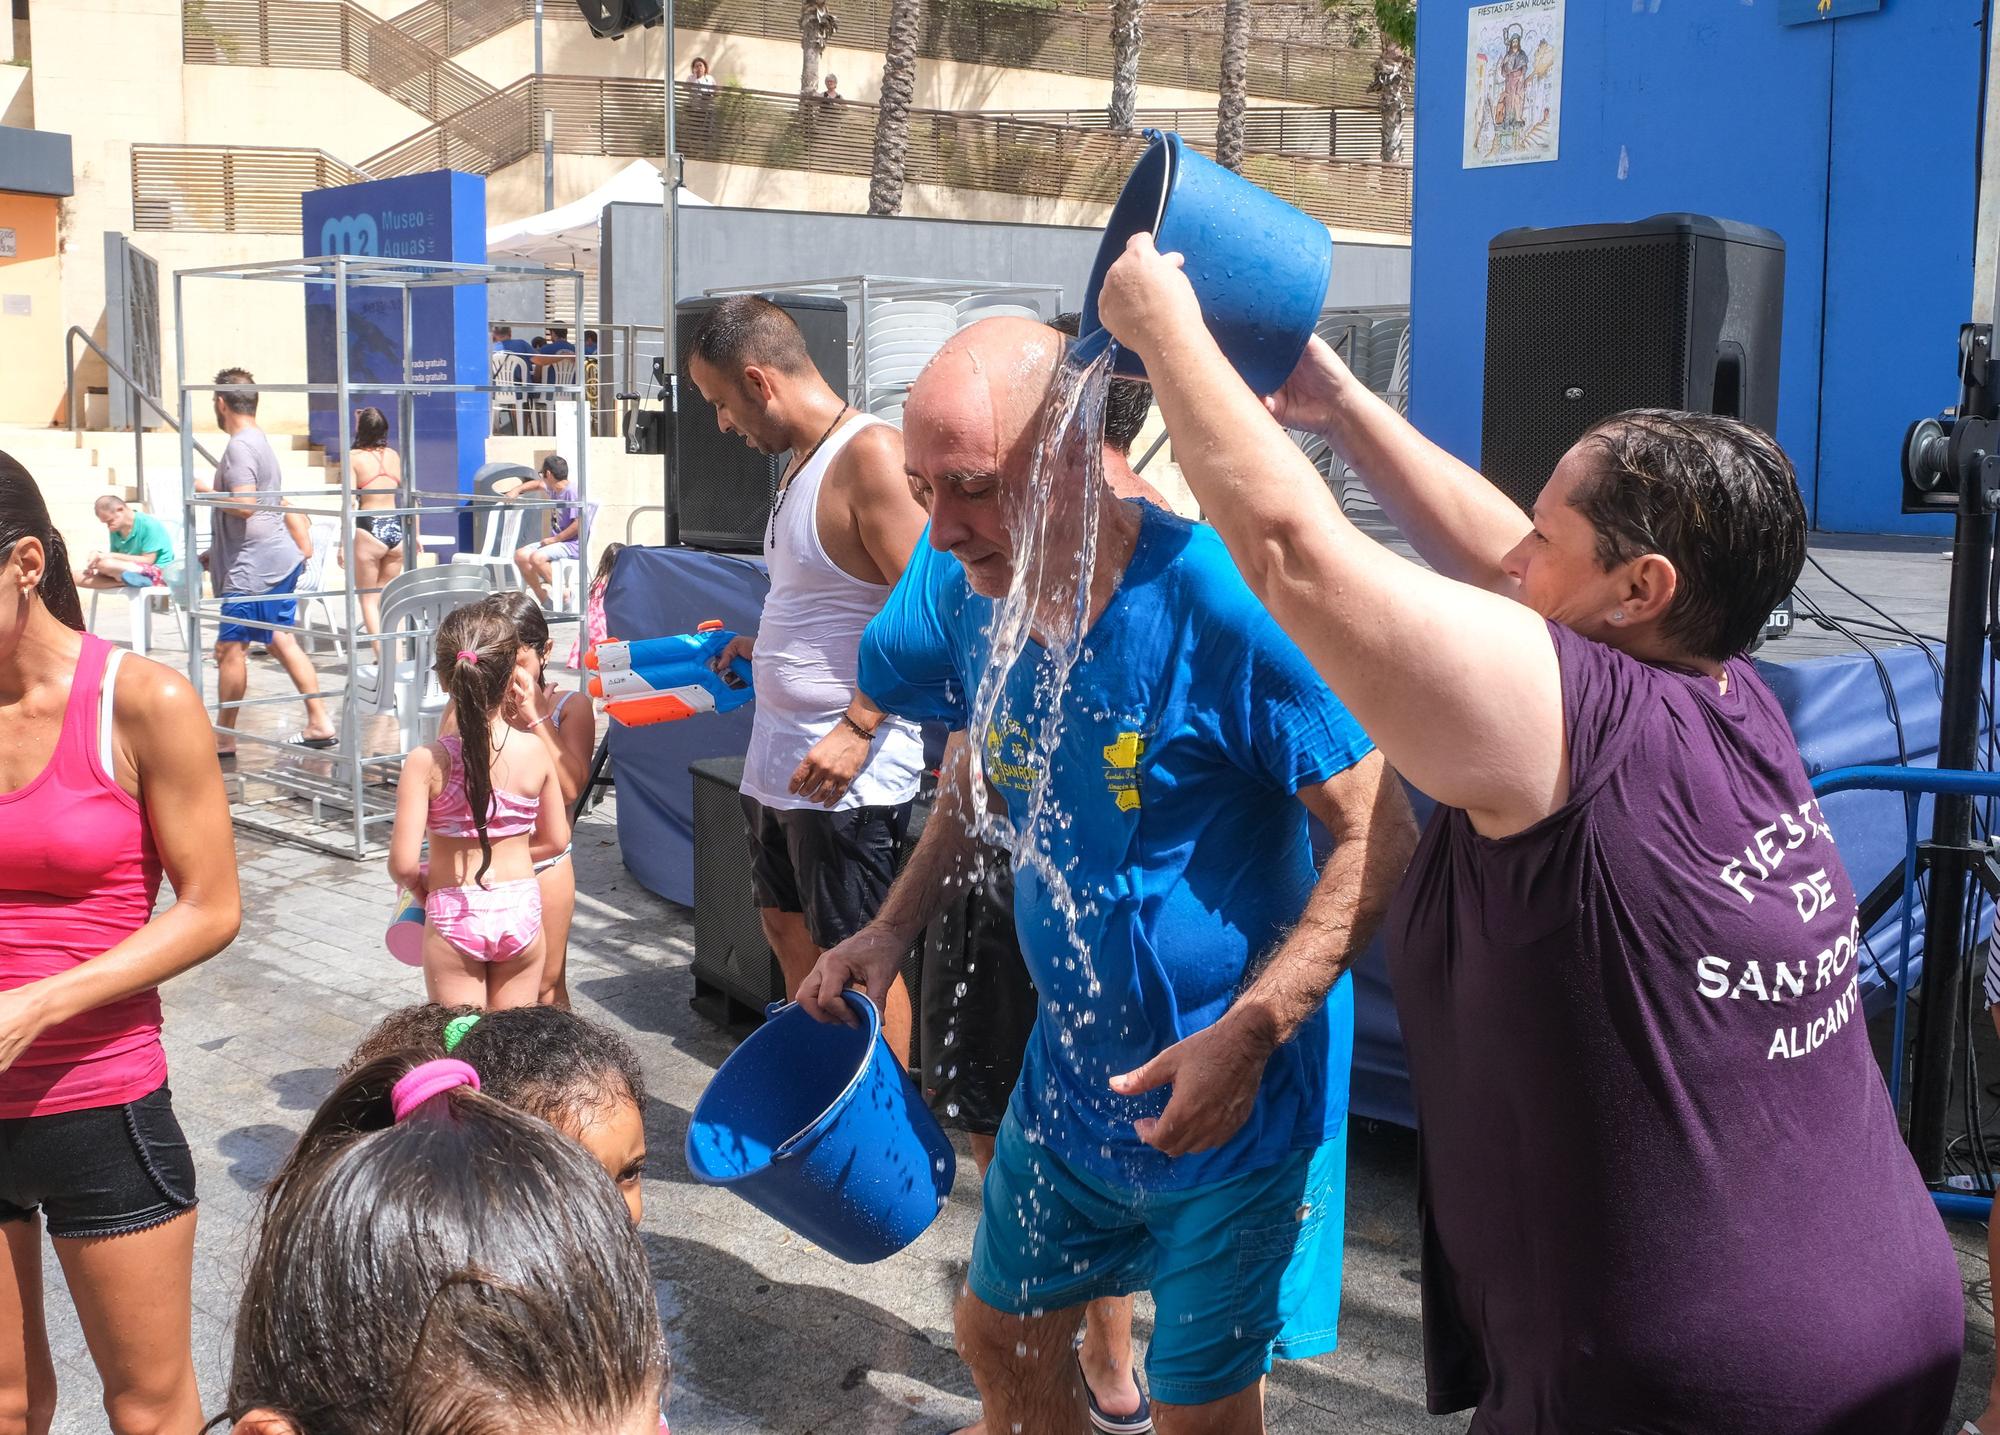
<point x="1662" y="1188"/>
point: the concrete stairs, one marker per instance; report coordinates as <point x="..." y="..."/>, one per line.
<point x="73" y="470"/>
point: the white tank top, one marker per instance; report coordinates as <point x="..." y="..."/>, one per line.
<point x="808" y="654"/>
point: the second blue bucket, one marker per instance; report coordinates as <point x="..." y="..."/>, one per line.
<point x="820" y="1128"/>
<point x="1259" y="266"/>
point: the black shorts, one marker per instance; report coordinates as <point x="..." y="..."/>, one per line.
<point x="107" y="1171"/>
<point x="834" y="867"/>
<point x="979" y="1003"/>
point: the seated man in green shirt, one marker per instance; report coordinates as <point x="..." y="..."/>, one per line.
<point x="138" y="540"/>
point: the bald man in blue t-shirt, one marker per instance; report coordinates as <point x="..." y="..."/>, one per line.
<point x="1179" y="1124"/>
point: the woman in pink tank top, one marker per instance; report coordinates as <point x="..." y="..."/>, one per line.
<point x="107" y="782"/>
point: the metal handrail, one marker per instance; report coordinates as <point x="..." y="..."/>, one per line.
<point x="138" y="392"/>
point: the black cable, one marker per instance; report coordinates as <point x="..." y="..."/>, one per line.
<point x="1881" y="670"/>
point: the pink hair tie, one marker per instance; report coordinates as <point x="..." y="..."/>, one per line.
<point x="420" y="1083"/>
<point x="468" y="655"/>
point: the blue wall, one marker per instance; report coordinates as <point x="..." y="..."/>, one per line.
<point x="436" y="216"/>
<point x="1853" y="138"/>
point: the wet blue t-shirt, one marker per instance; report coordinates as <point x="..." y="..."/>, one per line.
<point x="1188" y="725"/>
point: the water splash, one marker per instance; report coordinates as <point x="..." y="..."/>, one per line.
<point x="1053" y="521"/>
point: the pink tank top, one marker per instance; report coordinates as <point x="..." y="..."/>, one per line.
<point x="78" y="874"/>
<point x="508" y="815"/>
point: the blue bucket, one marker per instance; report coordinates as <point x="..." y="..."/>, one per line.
<point x="820" y="1128"/>
<point x="1259" y="266"/>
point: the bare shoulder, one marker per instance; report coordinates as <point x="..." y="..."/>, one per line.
<point x="154" y="702"/>
<point x="874" y="456"/>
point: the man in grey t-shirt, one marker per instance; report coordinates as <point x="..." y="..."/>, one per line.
<point x="253" y="566"/>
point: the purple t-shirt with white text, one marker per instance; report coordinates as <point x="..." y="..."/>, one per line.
<point x="1662" y="1187"/>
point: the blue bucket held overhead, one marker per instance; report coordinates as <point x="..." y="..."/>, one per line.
<point x="819" y="1127"/>
<point x="1259" y="266"/>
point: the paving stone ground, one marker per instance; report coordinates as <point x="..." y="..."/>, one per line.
<point x="767" y="1333"/>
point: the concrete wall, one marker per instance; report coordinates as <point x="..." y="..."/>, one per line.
<point x="310" y="109"/>
<point x="1852" y="138"/>
<point x="33" y="391"/>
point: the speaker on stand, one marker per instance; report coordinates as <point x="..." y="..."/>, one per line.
<point x="1679" y="311"/>
<point x="719" y="486"/>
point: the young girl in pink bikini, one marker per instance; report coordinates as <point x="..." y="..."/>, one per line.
<point x="483" y="796"/>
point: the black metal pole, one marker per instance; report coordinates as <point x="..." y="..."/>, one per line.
<point x="1951" y="857"/>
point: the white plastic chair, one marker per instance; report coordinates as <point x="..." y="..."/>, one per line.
<point x="401" y="680"/>
<point x="496" y="554"/>
<point x="510" y="371"/>
<point x="322" y="575"/>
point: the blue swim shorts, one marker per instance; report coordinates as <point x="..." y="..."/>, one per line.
<point x="247" y="619"/>
<point x="1242" y="1271"/>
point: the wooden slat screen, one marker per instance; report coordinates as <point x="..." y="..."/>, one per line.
<point x="228" y="189"/>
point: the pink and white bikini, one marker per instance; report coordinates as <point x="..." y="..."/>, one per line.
<point x="488" y="924"/>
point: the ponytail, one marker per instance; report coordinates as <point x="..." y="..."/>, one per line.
<point x="475" y="661"/>
<point x="23" y="514"/>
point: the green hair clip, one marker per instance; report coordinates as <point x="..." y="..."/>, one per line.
<point x="456" y="1028"/>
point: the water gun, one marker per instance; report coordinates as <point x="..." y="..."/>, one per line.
<point x="666" y="679"/>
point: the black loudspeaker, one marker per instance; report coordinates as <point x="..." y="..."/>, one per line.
<point x="735" y="975"/>
<point x="1680" y="311"/>
<point x="722" y="488"/>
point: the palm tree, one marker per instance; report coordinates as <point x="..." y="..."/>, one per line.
<point x="1125" y="37"/>
<point x="892" y="121"/>
<point x="1396" y="32"/>
<point x="816" y="27"/>
<point x="1235" y="67"/>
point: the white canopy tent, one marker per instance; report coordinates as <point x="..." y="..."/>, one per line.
<point x="567" y="236"/>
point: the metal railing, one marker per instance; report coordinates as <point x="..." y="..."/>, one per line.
<point x="1294" y="54"/>
<point x="1296" y="51"/>
<point x="452" y="26"/>
<point x="228" y="189"/>
<point x="328" y="35"/>
<point x="118" y="371"/>
<point x="958" y="149"/>
<point x="1325" y="132"/>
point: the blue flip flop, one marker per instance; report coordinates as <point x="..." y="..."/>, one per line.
<point x="1139" y="1422"/>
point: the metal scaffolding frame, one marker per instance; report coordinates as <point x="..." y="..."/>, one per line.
<point x="299" y="812"/>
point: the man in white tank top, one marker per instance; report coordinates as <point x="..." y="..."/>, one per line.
<point x="828" y="778"/>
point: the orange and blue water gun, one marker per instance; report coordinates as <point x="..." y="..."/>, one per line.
<point x="653" y="680"/>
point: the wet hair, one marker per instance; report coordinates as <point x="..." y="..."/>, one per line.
<point x="531" y="624"/>
<point x="1125" y="406"/>
<point x="605" y="560"/>
<point x="237" y="403"/>
<point x="556" y="467"/>
<point x="1715" y="497"/>
<point x="553" y="1064"/>
<point x="746" y="330"/>
<point x="467" y="1270"/>
<point x="477" y="689"/>
<point x="415" y="1033"/>
<point x="371" y="428"/>
<point x="23" y="514"/>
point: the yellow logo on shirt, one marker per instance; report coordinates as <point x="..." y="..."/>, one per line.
<point x="1010" y="755"/>
<point x="1121" y="771"/>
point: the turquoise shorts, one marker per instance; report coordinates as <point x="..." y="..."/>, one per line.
<point x="1242" y="1271"/>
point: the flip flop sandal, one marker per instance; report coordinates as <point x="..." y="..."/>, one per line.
<point x="318" y="744"/>
<point x="1139" y="1422"/>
